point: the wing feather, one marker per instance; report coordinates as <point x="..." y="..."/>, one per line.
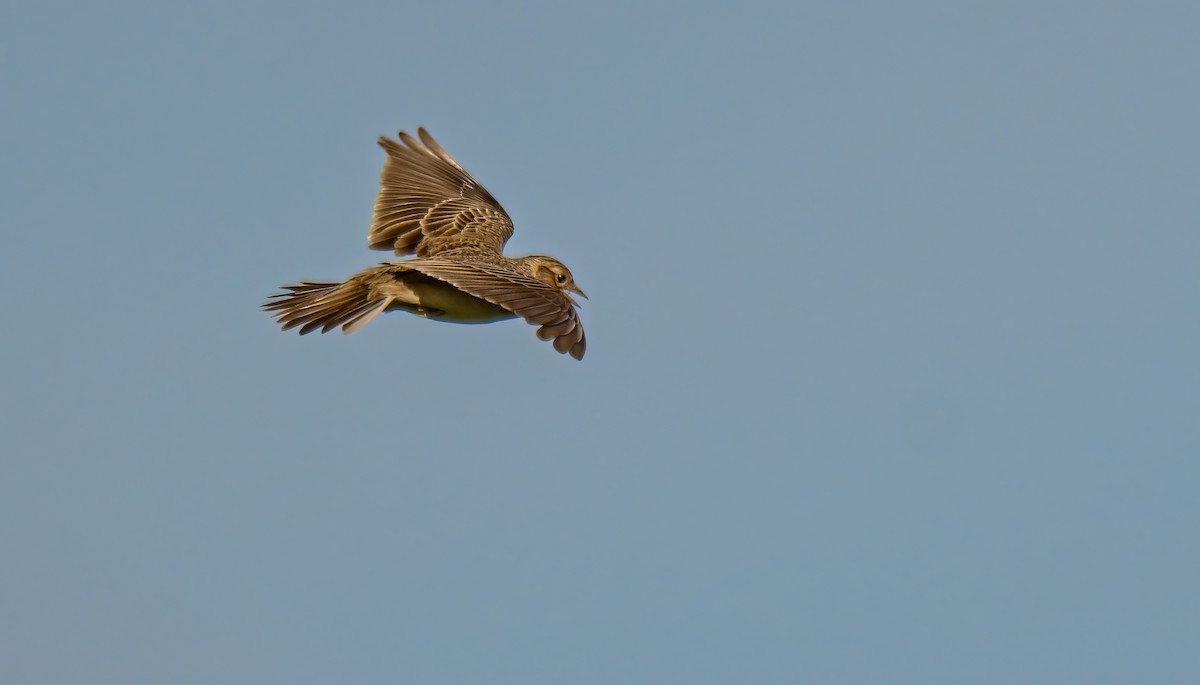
<point x="428" y="203"/>
<point x="538" y="303"/>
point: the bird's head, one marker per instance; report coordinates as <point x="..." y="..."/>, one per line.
<point x="553" y="272"/>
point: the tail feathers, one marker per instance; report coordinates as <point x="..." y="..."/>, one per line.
<point x="315" y="304"/>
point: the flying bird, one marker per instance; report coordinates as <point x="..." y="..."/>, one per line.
<point x="430" y="207"/>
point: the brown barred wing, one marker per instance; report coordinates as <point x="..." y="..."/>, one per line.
<point x="538" y="303"/>
<point x="428" y="203"/>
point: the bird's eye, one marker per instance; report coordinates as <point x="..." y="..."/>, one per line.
<point x="562" y="278"/>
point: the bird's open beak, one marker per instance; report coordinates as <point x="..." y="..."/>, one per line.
<point x="582" y="294"/>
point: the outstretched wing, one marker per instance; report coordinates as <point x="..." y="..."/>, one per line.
<point x="427" y="203"/>
<point x="538" y="303"/>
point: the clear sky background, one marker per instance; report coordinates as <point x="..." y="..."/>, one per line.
<point x="892" y="371"/>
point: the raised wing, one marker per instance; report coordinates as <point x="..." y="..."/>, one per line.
<point x="538" y="303"/>
<point x="427" y="203"/>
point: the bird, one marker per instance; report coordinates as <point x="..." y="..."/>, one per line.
<point x="429" y="207"/>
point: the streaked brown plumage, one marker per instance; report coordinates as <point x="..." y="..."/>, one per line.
<point x="429" y="206"/>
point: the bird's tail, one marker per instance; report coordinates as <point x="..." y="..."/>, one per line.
<point x="317" y="304"/>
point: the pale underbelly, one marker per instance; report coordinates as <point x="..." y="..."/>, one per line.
<point x="443" y="302"/>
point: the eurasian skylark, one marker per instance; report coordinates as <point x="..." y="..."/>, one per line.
<point x="430" y="206"/>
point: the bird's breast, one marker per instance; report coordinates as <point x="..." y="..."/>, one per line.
<point x="435" y="299"/>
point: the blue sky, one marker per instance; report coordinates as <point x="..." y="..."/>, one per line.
<point x="891" y="375"/>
